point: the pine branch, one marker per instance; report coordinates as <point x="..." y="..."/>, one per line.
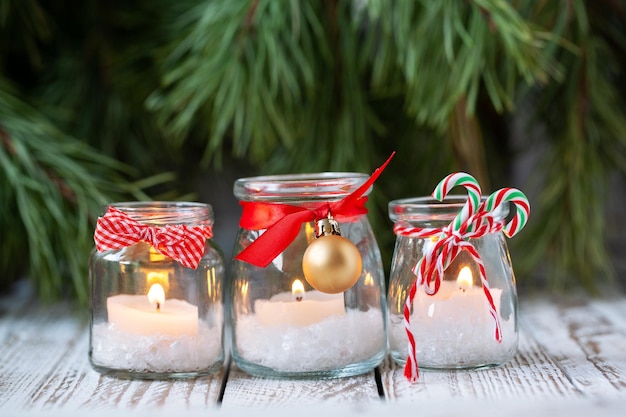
<point x="299" y="86"/>
<point x="448" y="50"/>
<point x="28" y="19"/>
<point x="52" y="188"/>
<point x="239" y="69"/>
<point x="589" y="145"/>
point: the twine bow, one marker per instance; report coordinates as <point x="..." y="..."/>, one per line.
<point x="475" y="220"/>
<point x="282" y="221"/>
<point x="185" y="244"/>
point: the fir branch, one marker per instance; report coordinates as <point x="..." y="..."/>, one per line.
<point x="26" y="25"/>
<point x="239" y="68"/>
<point x="447" y="50"/>
<point x="589" y="145"/>
<point x="53" y="187"/>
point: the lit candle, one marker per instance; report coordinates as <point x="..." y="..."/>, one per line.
<point x="456" y="302"/>
<point x="151" y="314"/>
<point x="298" y="307"/>
<point x="302" y="331"/>
<point x="149" y="333"/>
<point x="454" y="326"/>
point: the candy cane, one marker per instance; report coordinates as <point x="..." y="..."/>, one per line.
<point x="473" y="195"/>
<point x="473" y="221"/>
<point x="522" y="205"/>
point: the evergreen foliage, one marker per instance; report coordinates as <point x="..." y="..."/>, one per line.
<point x="91" y="88"/>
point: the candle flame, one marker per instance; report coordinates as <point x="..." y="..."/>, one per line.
<point x="368" y="281"/>
<point x="156" y="295"/>
<point x="465" y="279"/>
<point x="297" y="289"/>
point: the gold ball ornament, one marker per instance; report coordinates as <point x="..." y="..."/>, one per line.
<point x="332" y="264"/>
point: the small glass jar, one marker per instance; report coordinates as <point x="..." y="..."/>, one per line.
<point x="282" y="331"/>
<point x="453" y="328"/>
<point x="137" y="333"/>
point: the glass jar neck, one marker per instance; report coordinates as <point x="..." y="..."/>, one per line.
<point x="161" y="213"/>
<point x="327" y="186"/>
<point x="422" y="210"/>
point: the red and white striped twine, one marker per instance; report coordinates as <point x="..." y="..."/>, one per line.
<point x="454" y="238"/>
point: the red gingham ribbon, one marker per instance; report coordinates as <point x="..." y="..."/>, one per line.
<point x="185" y="244"/>
<point x="429" y="270"/>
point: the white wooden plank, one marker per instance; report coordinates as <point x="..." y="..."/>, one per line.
<point x="45" y="365"/>
<point x="75" y="385"/>
<point x="243" y="390"/>
<point x="455" y="407"/>
<point x="31" y="346"/>
<point x="529" y="375"/>
<point x="571" y="360"/>
<point x="587" y="338"/>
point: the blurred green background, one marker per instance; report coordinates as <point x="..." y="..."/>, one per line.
<point x="104" y="101"/>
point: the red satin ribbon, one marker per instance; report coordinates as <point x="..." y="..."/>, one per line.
<point x="282" y="221"/>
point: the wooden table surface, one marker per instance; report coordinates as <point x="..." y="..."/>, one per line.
<point x="571" y="361"/>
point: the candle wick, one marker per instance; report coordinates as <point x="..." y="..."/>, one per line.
<point x="299" y="298"/>
<point x="158" y="305"/>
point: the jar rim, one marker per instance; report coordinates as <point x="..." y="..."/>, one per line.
<point x="158" y="204"/>
<point x="431" y="209"/>
<point x="318" y="186"/>
<point x="166" y="212"/>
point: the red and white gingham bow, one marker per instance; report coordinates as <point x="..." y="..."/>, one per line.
<point x="185" y="244"/>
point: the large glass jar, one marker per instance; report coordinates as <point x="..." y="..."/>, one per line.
<point x="454" y="328"/>
<point x="152" y="317"/>
<point x="281" y="326"/>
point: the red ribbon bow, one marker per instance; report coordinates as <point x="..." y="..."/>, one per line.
<point x="283" y="221"/>
<point x="185" y="244"/>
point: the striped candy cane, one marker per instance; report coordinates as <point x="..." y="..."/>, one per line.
<point x="522" y="208"/>
<point x="473" y="221"/>
<point x="473" y="195"/>
<point x="440" y="192"/>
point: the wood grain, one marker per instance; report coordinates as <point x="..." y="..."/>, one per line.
<point x="572" y="355"/>
<point x="31" y="347"/>
<point x="586" y="338"/>
<point x="45" y="366"/>
<point x="530" y="375"/>
<point x="243" y="390"/>
<point x="74" y="385"/>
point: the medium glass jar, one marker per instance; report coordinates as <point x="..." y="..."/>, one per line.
<point x="282" y="327"/>
<point x="454" y="328"/>
<point x="152" y="317"/>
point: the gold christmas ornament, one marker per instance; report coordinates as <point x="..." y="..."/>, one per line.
<point x="331" y="263"/>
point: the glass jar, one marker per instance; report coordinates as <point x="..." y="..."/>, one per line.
<point x="453" y="328"/>
<point x="135" y="332"/>
<point x="280" y="330"/>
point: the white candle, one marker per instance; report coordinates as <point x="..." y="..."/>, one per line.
<point x="458" y="303"/>
<point x="152" y="334"/>
<point x="454" y="327"/>
<point x="137" y="314"/>
<point x="332" y="343"/>
<point x="298" y="308"/>
<point x="118" y="349"/>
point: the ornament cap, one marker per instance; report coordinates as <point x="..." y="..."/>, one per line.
<point x="326" y="227"/>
